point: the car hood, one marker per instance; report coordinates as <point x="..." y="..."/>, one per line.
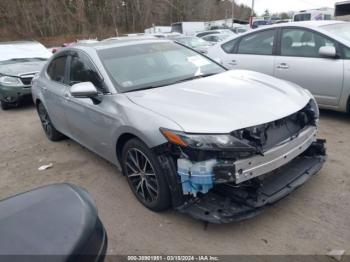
<point x="225" y="102"/>
<point x="17" y="69"/>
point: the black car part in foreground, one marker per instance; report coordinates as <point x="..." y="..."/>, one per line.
<point x="52" y="223"/>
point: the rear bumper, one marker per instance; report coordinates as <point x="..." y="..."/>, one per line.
<point x="14" y="94"/>
<point x="229" y="203"/>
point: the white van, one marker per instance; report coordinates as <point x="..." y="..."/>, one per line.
<point x="187" y="28"/>
<point x="314" y="14"/>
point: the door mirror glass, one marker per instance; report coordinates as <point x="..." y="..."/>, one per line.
<point x="83" y="90"/>
<point x="328" y="51"/>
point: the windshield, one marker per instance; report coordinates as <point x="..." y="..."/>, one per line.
<point x="193" y="42"/>
<point x="142" y="66"/>
<point x="341" y="30"/>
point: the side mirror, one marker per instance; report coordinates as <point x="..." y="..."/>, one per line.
<point x="83" y="90"/>
<point x="328" y="51"/>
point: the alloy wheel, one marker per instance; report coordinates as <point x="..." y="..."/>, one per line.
<point x="45" y="120"/>
<point x="141" y="175"/>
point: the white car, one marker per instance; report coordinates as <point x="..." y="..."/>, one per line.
<point x="312" y="54"/>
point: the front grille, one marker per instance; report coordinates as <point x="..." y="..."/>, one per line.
<point x="269" y="135"/>
<point x="27" y="80"/>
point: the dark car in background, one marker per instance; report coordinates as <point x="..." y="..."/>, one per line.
<point x="19" y="62"/>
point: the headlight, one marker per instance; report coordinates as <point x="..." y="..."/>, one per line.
<point x="314" y="107"/>
<point x="10" y="81"/>
<point x="206" y="142"/>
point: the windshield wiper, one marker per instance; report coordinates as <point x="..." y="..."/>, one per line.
<point x="194" y="77"/>
<point x="171" y="83"/>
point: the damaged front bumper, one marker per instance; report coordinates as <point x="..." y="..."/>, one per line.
<point x="230" y="202"/>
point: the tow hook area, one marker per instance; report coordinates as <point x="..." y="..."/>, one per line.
<point x="228" y="202"/>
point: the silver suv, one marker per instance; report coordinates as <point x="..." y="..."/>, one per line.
<point x="216" y="144"/>
<point x="312" y="54"/>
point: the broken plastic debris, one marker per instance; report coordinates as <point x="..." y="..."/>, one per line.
<point x="336" y="254"/>
<point x="44" y="167"/>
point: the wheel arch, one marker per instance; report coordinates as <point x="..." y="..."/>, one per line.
<point x="121" y="141"/>
<point x="37" y="102"/>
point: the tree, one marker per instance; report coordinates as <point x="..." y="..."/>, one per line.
<point x="67" y="20"/>
<point x="267" y="13"/>
<point x="284" y="16"/>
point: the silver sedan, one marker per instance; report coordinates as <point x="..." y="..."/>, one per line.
<point x="185" y="131"/>
<point x="312" y="54"/>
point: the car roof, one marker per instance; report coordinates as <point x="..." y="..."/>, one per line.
<point x="308" y="24"/>
<point x="119" y="43"/>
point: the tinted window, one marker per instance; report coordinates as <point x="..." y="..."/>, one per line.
<point x="82" y="70"/>
<point x="229" y="47"/>
<point x="346" y="52"/>
<point x="302" y="43"/>
<point x="177" y="28"/>
<point x="257" y="44"/>
<point x="342" y="9"/>
<point x="57" y="68"/>
<point x="302" y="17"/>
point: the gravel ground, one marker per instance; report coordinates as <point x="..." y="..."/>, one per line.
<point x="312" y="220"/>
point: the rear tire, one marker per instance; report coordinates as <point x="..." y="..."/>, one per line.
<point x="143" y="172"/>
<point x="50" y="131"/>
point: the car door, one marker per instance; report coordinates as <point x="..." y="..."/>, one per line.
<point x="299" y="61"/>
<point x="89" y="121"/>
<point x="53" y="89"/>
<point x="254" y="51"/>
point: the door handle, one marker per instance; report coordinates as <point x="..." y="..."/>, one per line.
<point x="233" y="62"/>
<point x="283" y="66"/>
<point x="44" y="87"/>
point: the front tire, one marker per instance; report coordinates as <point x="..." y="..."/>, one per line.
<point x="144" y="175"/>
<point x="5" y="105"/>
<point x="50" y="131"/>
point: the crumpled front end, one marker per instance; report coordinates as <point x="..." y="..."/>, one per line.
<point x="222" y="179"/>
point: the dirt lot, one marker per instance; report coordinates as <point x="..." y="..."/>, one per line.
<point x="313" y="220"/>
